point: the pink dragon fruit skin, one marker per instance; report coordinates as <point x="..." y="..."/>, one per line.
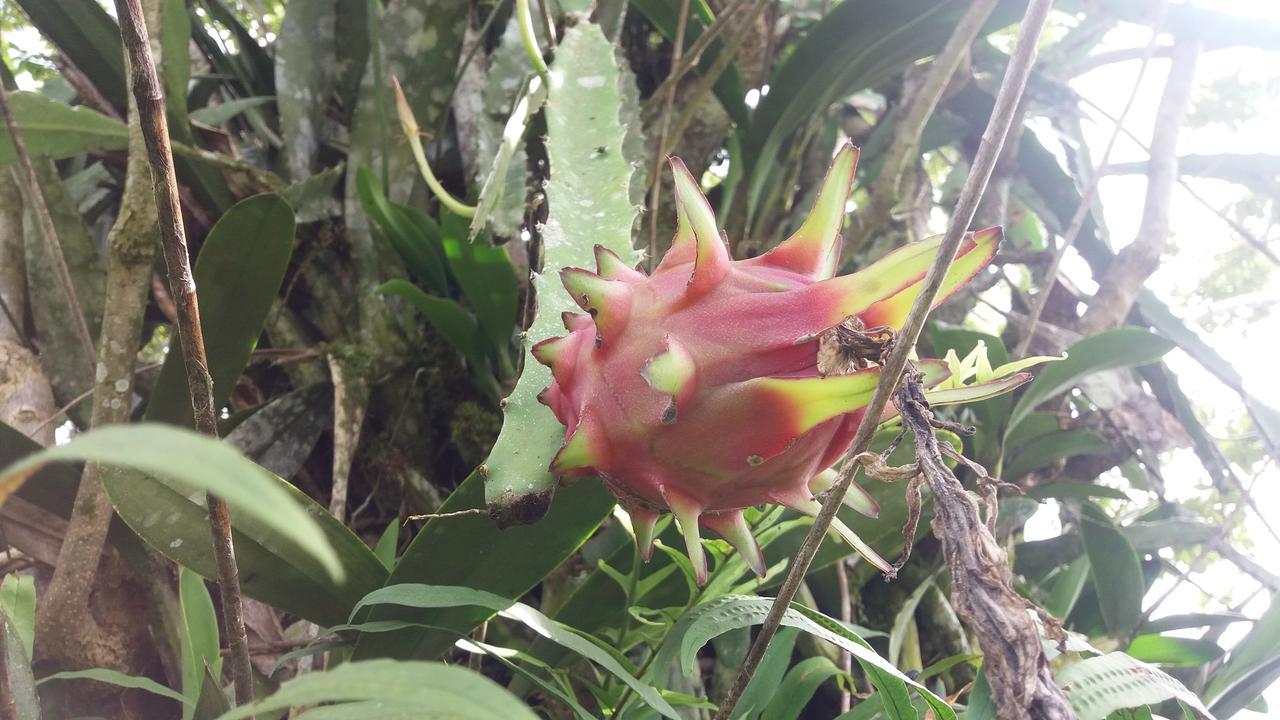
<point x="697" y="390"/>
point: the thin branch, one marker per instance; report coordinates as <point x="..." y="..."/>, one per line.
<point x="155" y="131"/>
<point x="1011" y="88"/>
<point x="682" y="62"/>
<point x="47" y="231"/>
<point x="1086" y="199"/>
<point x="1097" y="60"/>
<point x="655" y="194"/>
<point x="904" y="151"/>
<point x="1119" y="285"/>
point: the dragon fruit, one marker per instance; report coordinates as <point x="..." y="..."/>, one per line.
<point x="698" y="389"/>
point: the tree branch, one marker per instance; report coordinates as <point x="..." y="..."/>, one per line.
<point x="1119" y="285"/>
<point x="1011" y="88"/>
<point x="155" y="131"/>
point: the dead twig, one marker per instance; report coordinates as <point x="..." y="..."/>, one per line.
<point x="155" y="131"/>
<point x="655" y="193"/>
<point x="1011" y="88"/>
<point x="1021" y="682"/>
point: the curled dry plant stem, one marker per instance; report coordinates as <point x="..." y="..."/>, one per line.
<point x="1021" y="681"/>
<point x="1011" y="88"/>
<point x="27" y="177"/>
<point x="155" y="131"/>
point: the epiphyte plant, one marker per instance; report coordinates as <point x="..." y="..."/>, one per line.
<point x="707" y="387"/>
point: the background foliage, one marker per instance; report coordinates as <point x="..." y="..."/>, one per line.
<point x="367" y="345"/>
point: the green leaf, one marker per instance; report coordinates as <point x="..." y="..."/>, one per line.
<point x="1176" y="651"/>
<point x="387" y="544"/>
<point x="1046" y="450"/>
<point x="904" y="617"/>
<point x="119" y="679"/>
<point x="1246" y="691"/>
<point x="215" y="115"/>
<point x="1192" y="620"/>
<point x="798" y="687"/>
<point x="175" y="57"/>
<point x="198" y="638"/>
<point x="433" y="596"/>
<point x="728" y="612"/>
<point x="1115" y="569"/>
<point x="1067" y="586"/>
<point x="18" y="604"/>
<point x="582" y="116"/>
<point x="1119" y="348"/>
<point x="17" y="667"/>
<point x="238" y="273"/>
<point x="1258" y="647"/>
<point x="471" y="551"/>
<point x="90" y="39"/>
<point x="56" y="130"/>
<point x="394" y="689"/>
<point x="768" y="676"/>
<point x="448" y="318"/>
<point x="1073" y="490"/>
<point x="1098" y="686"/>
<point x="488" y="282"/>
<point x="193" y="463"/>
<point x="413" y="235"/>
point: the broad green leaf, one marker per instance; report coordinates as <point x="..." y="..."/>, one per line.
<point x="431" y="596"/>
<point x="1046" y="450"/>
<point x="1115" y="569"/>
<point x="414" y="236"/>
<point x="454" y="323"/>
<point x="117" y="678"/>
<point x="387" y="543"/>
<point x="1192" y="620"/>
<point x="1074" y="490"/>
<point x="488" y="281"/>
<point x="89" y="37"/>
<point x="904" y="617"/>
<point x="215" y="115"/>
<point x="1067" y="586"/>
<point x="1176" y="651"/>
<point x="193" y="463"/>
<point x="718" y="616"/>
<point x="394" y="689"/>
<point x="798" y="687"/>
<point x="1119" y="348"/>
<point x="471" y="551"/>
<point x="768" y="676"/>
<point x="1246" y="691"/>
<point x="198" y="637"/>
<point x="18" y="604"/>
<point x="56" y="130"/>
<point x="1098" y="686"/>
<point x="582" y="111"/>
<point x="1258" y="647"/>
<point x="238" y="275"/>
<point x="175" y="58"/>
<point x="17" y="670"/>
